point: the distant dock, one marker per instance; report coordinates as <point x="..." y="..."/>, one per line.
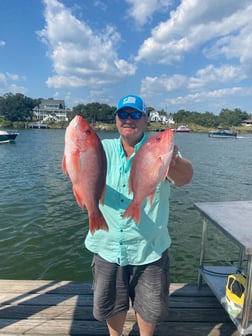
<point x="38" y="125"/>
<point x="39" y="307"/>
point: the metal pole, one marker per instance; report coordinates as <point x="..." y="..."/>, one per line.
<point x="202" y="252"/>
<point x="248" y="296"/>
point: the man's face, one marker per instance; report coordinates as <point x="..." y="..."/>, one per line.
<point x="131" y="127"/>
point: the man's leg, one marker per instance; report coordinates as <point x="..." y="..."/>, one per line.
<point x="151" y="293"/>
<point x="115" y="324"/>
<point x="145" y="328"/>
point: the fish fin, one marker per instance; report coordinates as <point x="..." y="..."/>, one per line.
<point x="166" y="158"/>
<point x="97" y="222"/>
<point x="102" y="195"/>
<point x="130" y="189"/>
<point x="64" y="169"/>
<point x="78" y="198"/>
<point x="133" y="211"/>
<point x="150" y="197"/>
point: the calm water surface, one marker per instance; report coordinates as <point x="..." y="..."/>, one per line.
<point x="42" y="229"/>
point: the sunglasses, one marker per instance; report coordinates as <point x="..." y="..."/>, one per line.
<point x="136" y="115"/>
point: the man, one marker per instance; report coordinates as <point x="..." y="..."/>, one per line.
<point x="131" y="260"/>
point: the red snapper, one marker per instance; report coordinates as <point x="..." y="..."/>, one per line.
<point x="85" y="163"/>
<point x="150" y="166"/>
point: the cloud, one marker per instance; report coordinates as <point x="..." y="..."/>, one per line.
<point x="215" y="37"/>
<point x="213" y="95"/>
<point x="2" y="43"/>
<point x="215" y="27"/>
<point x="211" y="75"/>
<point x="163" y="84"/>
<point x="142" y="11"/>
<point x="8" y="83"/>
<point x="81" y="57"/>
<point x="205" y="78"/>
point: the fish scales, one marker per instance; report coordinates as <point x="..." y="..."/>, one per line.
<point x="85" y="163"/>
<point x="150" y="166"/>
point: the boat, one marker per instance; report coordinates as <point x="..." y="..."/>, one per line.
<point x="6" y="136"/>
<point x="223" y="133"/>
<point x="182" y="129"/>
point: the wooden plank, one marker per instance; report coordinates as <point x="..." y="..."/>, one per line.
<point x="46" y="299"/>
<point x="87" y="300"/>
<point x="190" y="329"/>
<point x="66" y="327"/>
<point x="85" y="313"/>
<point x="65" y="308"/>
<point x="75" y="287"/>
<point x="43" y="286"/>
<point x="53" y="327"/>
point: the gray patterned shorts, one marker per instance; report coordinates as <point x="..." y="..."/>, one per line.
<point x="147" y="286"/>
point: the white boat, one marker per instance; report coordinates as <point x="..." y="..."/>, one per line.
<point x="222" y="133"/>
<point x="6" y="136"/>
<point x="182" y="129"/>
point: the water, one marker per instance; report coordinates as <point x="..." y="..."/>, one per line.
<point x="42" y="229"/>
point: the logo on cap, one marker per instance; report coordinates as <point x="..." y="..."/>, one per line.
<point x="129" y="100"/>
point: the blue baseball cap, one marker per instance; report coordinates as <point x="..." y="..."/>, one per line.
<point x="132" y="101"/>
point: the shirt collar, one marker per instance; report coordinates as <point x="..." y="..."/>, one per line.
<point x="137" y="146"/>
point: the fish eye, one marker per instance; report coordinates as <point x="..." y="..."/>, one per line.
<point x="158" y="138"/>
<point x="88" y="131"/>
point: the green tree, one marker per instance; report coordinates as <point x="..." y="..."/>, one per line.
<point x="94" y="112"/>
<point x="17" y="107"/>
<point x="232" y="117"/>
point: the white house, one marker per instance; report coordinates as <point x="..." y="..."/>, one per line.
<point x="50" y="109"/>
<point x="155" y="117"/>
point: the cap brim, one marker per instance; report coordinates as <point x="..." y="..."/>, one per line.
<point x="128" y="105"/>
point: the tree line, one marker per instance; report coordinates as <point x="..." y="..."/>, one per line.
<point x="18" y="107"/>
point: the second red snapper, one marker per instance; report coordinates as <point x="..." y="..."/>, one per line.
<point x="150" y="166"/>
<point x="85" y="163"/>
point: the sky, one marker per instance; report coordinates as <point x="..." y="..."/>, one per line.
<point x="191" y="54"/>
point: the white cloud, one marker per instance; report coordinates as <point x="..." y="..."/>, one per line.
<point x="205" y="78"/>
<point x="13" y="77"/>
<point x="2" y="79"/>
<point x="2" y="43"/>
<point x="211" y="75"/>
<point x="142" y="11"/>
<point x="216" y="37"/>
<point x="81" y="57"/>
<point x="196" y="24"/>
<point x="161" y="85"/>
<point x="205" y="96"/>
<point x="8" y="83"/>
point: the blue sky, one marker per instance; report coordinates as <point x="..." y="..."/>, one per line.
<point x="191" y="54"/>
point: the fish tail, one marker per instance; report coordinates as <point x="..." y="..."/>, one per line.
<point x="97" y="222"/>
<point x="133" y="211"/>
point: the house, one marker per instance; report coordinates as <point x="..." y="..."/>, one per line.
<point x="51" y="110"/>
<point x="156" y="117"/>
<point x="247" y="122"/>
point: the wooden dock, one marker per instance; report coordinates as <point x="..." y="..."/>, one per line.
<point x="65" y="308"/>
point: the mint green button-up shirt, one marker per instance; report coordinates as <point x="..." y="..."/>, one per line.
<point x="128" y="243"/>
